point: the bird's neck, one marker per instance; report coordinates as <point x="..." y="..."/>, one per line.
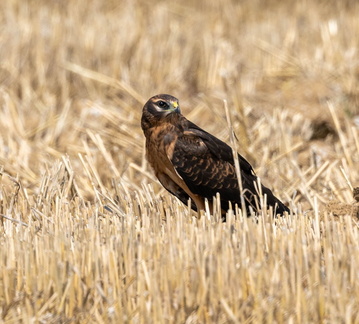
<point x="171" y="122"/>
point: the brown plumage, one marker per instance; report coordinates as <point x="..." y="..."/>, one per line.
<point x="191" y="163"/>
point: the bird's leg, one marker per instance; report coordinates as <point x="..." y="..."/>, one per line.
<point x="203" y="205"/>
<point x="199" y="201"/>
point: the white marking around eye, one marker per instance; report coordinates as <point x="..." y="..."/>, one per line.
<point x="158" y="108"/>
<point x="163" y="111"/>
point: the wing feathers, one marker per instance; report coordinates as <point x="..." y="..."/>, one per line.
<point x="206" y="165"/>
<point x="217" y="147"/>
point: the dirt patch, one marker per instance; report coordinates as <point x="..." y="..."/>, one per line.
<point x="338" y="209"/>
<point x="322" y="129"/>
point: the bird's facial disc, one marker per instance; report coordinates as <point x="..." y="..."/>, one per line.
<point x="167" y="107"/>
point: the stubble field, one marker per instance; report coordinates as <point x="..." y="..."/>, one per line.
<point x="87" y="234"/>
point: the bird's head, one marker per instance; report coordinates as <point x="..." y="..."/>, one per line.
<point x="159" y="107"/>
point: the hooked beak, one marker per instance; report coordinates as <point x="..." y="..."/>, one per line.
<point x="175" y="107"/>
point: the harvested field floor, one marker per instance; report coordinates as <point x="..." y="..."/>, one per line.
<point x="87" y="233"/>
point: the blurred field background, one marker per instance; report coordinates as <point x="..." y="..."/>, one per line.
<point x="87" y="234"/>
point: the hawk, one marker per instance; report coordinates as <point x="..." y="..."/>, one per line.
<point x="193" y="164"/>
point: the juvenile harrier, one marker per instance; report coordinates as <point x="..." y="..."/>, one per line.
<point x="191" y="163"/>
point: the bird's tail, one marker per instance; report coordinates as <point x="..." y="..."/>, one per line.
<point x="273" y="201"/>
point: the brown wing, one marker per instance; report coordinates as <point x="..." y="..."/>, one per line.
<point x="206" y="165"/>
<point x="218" y="148"/>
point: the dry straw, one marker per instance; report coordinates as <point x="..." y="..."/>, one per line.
<point x="87" y="234"/>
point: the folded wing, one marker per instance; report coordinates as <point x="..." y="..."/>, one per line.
<point x="206" y="165"/>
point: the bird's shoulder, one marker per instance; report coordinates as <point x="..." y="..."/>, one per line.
<point x="213" y="144"/>
<point x="196" y="140"/>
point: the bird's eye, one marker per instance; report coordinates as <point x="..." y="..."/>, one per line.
<point x="162" y="104"/>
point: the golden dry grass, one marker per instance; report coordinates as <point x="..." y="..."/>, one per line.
<point x="88" y="234"/>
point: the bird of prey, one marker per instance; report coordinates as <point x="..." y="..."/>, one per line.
<point x="193" y="164"/>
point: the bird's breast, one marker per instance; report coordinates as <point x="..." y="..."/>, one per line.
<point x="160" y="145"/>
